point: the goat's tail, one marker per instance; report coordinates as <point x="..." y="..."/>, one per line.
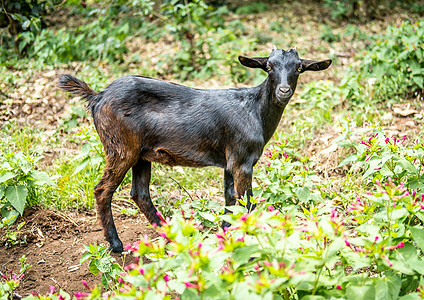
<point x="78" y="87"/>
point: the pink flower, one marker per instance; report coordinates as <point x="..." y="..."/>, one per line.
<point x="191" y="285"/>
<point x="267" y="263"/>
<point x="387" y="260"/>
<point x="400" y="245"/>
<point x="240" y="239"/>
<point x="243" y="218"/>
<point x="52" y="289"/>
<point x="130" y="267"/>
<point x="166" y="278"/>
<point x="159" y="214"/>
<point x="338" y="287"/>
<point x="86" y="284"/>
<point x="271" y="208"/>
<point x="80" y="296"/>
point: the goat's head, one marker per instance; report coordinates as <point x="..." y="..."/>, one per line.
<point x="284" y="68"/>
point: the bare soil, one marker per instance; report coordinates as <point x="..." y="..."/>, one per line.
<point x="55" y="244"/>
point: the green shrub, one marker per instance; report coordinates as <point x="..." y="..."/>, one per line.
<point x="343" y="9"/>
<point x="392" y="69"/>
<point x="321" y="252"/>
<point x="22" y="16"/>
<point x="252" y="8"/>
<point x="99" y="40"/>
<point x="20" y="184"/>
<point x="380" y="157"/>
<point x="101" y="262"/>
<point x="192" y="24"/>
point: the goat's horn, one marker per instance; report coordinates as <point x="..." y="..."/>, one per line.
<point x="274" y="47"/>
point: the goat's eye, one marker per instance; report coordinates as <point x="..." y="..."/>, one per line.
<point x="268" y="68"/>
<point x="299" y="69"/>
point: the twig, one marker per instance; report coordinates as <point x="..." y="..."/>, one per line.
<point x="181" y="187"/>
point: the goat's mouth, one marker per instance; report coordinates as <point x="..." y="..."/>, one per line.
<point x="283" y="98"/>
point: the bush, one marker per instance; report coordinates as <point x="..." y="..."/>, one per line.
<point x="392" y="68"/>
<point x="23" y="16"/>
<point x="20" y="184"/>
<point x="382" y="158"/>
<point x="191" y="24"/>
<point x="99" y="40"/>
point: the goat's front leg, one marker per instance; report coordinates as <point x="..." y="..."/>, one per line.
<point x="243" y="183"/>
<point x="237" y="186"/>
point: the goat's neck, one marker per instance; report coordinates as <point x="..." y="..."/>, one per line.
<point x="269" y="112"/>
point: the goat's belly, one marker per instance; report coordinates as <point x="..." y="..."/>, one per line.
<point x="173" y="158"/>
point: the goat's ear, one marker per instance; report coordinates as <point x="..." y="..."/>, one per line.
<point x="254" y="62"/>
<point x="313" y="65"/>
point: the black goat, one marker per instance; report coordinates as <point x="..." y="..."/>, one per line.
<point x="141" y="120"/>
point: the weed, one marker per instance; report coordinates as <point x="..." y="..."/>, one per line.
<point x="21" y="184"/>
<point x="100" y="261"/>
<point x="9" y="282"/>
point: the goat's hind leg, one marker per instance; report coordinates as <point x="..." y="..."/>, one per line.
<point x="113" y="175"/>
<point x="141" y="173"/>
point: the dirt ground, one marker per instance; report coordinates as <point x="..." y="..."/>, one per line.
<point x="55" y="245"/>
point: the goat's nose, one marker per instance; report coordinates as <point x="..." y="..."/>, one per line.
<point x="284" y="89"/>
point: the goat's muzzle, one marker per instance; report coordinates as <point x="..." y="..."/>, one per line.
<point x="284" y="93"/>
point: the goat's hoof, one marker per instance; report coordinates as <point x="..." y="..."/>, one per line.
<point x="116" y="247"/>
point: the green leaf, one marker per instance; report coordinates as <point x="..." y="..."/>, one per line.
<point x="17" y="195"/>
<point x="242" y="255"/>
<point x="6" y="176"/>
<point x="41" y="177"/>
<point x="399" y="213"/>
<point x="9" y="215"/>
<point x="418" y="266"/>
<point x="418" y="80"/>
<point x="303" y="193"/>
<point x="387" y="287"/>
<point x="93" y="268"/>
<point x="401" y="265"/>
<point x="207" y="216"/>
<point x="373" y="164"/>
<point x="365" y="292"/>
<point x="348" y="160"/>
<point x="104" y="265"/>
<point x="105" y="280"/>
<point x="237" y="209"/>
<point x="418" y="235"/>
<point x="26" y="24"/>
<point x="85" y="257"/>
<point x="82" y="165"/>
<point x="2" y="188"/>
<point x="406" y="165"/>
<point x="412" y="296"/>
